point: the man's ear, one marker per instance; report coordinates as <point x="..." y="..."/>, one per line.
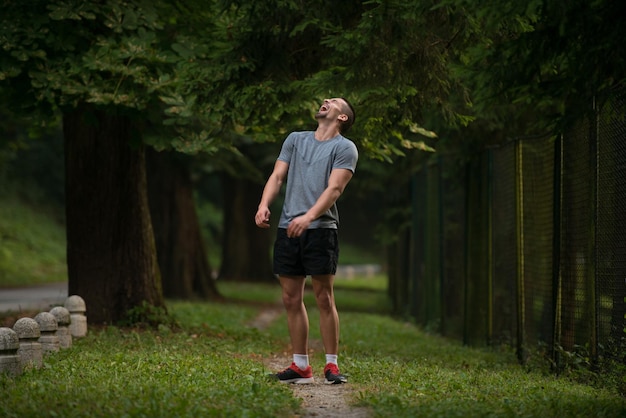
<point x="343" y="117"/>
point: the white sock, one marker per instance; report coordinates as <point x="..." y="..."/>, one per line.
<point x="331" y="358"/>
<point x="301" y="360"/>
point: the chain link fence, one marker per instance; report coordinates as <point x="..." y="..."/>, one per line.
<point x="524" y="244"/>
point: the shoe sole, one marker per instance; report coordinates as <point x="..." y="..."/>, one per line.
<point x="299" y="381"/>
<point x="335" y="382"/>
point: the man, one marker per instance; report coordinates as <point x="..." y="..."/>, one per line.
<point x="317" y="166"/>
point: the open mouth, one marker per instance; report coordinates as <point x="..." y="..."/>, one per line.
<point x="324" y="108"/>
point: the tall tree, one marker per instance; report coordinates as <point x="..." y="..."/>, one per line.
<point x="112" y="69"/>
<point x="181" y="250"/>
<point x="110" y="246"/>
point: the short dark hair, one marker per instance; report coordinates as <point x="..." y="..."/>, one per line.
<point x="345" y="126"/>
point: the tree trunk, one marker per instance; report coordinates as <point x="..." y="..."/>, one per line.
<point x="185" y="269"/>
<point x="246" y="247"/>
<point x="111" y="254"/>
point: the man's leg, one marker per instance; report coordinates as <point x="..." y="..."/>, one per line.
<point x="329" y="319"/>
<point x="297" y="318"/>
<point x="300" y="371"/>
<point x="329" y="326"/>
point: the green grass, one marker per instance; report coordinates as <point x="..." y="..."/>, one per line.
<point x="32" y="244"/>
<point x="212" y="366"/>
<point x="413" y="374"/>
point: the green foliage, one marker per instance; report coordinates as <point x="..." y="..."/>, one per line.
<point x="392" y="61"/>
<point x="147" y="315"/>
<point x="578" y="364"/>
<point x="197" y="76"/>
<point x="123" y="55"/>
<point x="536" y="65"/>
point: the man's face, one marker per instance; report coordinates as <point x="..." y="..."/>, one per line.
<point x="331" y="109"/>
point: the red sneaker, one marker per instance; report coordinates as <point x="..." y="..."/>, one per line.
<point x="293" y="374"/>
<point x="333" y="377"/>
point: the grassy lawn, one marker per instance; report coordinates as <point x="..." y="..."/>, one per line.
<point x="32" y="244"/>
<point x="212" y="366"/>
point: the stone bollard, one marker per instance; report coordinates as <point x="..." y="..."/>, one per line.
<point x="78" y="325"/>
<point x="30" y="354"/>
<point x="48" y="327"/>
<point x="9" y="343"/>
<point x="62" y="316"/>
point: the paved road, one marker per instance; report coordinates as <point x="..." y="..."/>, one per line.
<point x="349" y="271"/>
<point x="33" y="298"/>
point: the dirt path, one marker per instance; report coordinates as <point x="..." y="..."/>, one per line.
<point x="318" y="399"/>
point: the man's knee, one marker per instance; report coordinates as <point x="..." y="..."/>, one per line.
<point x="291" y="301"/>
<point x="325" y="301"/>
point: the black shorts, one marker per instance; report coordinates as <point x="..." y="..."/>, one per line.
<point x="315" y="252"/>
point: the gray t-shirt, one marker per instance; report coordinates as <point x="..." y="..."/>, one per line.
<point x="310" y="163"/>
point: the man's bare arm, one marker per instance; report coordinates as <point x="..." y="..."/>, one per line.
<point x="270" y="191"/>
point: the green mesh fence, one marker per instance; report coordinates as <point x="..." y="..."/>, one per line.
<point x="575" y="321"/>
<point x="536" y="182"/>
<point x="504" y="245"/>
<point x="477" y="295"/>
<point x="611" y="231"/>
<point x="400" y="256"/>
<point x="400" y="253"/>
<point x="524" y="244"/>
<point x="453" y="239"/>
<point x="431" y="284"/>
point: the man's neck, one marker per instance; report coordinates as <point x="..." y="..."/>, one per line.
<point x="324" y="131"/>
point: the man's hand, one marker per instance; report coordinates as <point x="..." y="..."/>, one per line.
<point x="297" y="226"/>
<point x="262" y="217"/>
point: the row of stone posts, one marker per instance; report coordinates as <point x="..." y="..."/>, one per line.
<point x="30" y="339"/>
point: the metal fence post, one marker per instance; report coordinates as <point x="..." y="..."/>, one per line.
<point x="593" y="242"/>
<point x="490" y="265"/>
<point x="521" y="303"/>
<point x="556" y="248"/>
